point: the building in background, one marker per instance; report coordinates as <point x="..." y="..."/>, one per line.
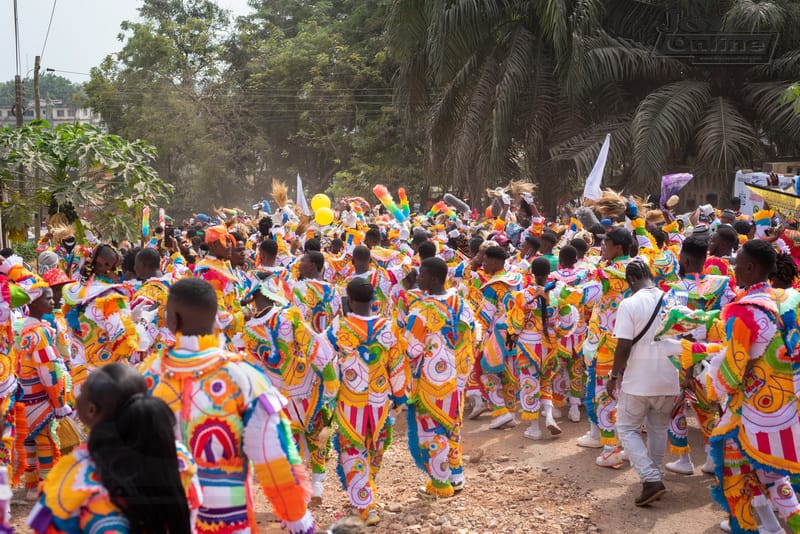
<point x="55" y="112"/>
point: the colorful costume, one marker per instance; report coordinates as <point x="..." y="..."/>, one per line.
<point x="497" y="363"/>
<point x="73" y="499"/>
<point x="149" y="307"/>
<point x="102" y="330"/>
<point x="373" y="377"/>
<point x="540" y="323"/>
<point x="318" y="301"/>
<point x="440" y="351"/>
<point x="219" y="274"/>
<point x="229" y="416"/>
<point x="283" y="344"/>
<point x="46" y="386"/>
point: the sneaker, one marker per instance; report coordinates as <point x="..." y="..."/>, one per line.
<point x="458" y="485"/>
<point x="502" y="420"/>
<point x="725" y="525"/>
<point x="550" y="422"/>
<point x="588" y="441"/>
<point x="683" y="465"/>
<point x="317" y="488"/>
<point x="533" y="431"/>
<point x="477" y="408"/>
<point x="574" y="414"/>
<point x="708" y="466"/>
<point x="612" y="458"/>
<point x="624" y="455"/>
<point x="372" y="518"/>
<point x="557" y="413"/>
<point x="430" y="493"/>
<point x="651" y="491"/>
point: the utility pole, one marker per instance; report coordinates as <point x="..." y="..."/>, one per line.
<point x="37" y="228"/>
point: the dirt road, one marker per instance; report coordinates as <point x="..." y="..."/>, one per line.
<point x="517" y="485"/>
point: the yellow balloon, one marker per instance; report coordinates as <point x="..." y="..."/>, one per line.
<point x="323" y="216"/>
<point x="320" y="201"/>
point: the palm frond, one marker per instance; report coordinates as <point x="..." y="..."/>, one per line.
<point x="664" y="122"/>
<point x="582" y="148"/>
<point x="754" y="16"/>
<point x="724" y="138"/>
<point x="778" y="118"/>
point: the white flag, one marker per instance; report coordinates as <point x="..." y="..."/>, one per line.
<point x="302" y="203"/>
<point x="592" y="188"/>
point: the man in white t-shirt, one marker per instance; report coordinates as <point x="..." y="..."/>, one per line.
<point x="649" y="381"/>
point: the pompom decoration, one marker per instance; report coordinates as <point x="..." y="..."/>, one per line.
<point x="386" y="199"/>
<point x="441" y="208"/>
<point x="404" y="202"/>
<point x="145" y="221"/>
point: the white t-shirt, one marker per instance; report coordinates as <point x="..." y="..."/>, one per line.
<point x="648" y="373"/>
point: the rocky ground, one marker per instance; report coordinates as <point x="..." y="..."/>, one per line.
<point x="517" y="485"/>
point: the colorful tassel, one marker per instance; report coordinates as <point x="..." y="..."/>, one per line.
<point x="404" y="202"/>
<point x="386" y="199"/>
<point x="145" y="221"/>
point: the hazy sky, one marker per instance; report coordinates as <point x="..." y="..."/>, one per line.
<point x="82" y="34"/>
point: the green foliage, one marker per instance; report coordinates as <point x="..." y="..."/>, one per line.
<point x="51" y="86"/>
<point x="792" y="96"/>
<point x="83" y="171"/>
<point x="292" y="88"/>
<point x="26" y="250"/>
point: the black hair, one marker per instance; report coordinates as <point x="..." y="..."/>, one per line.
<point x="419" y="237"/>
<point x="337" y="242"/>
<point x="317" y="259"/>
<point x="99" y="251"/>
<point x="581" y="246"/>
<point x="597" y="229"/>
<point x="269" y="247"/>
<point x="540" y="266"/>
<point x="427" y="250"/>
<point x="239" y="237"/>
<point x="437" y="268"/>
<point x="129" y="259"/>
<point x="622" y="237"/>
<point x="149" y="257"/>
<point x="762" y="253"/>
<point x="785" y="271"/>
<point x="475" y="245"/>
<point x="743" y="227"/>
<point x="194" y="292"/>
<point x="660" y="236"/>
<point x="696" y="247"/>
<point x="373" y="233"/>
<point x="728" y="236"/>
<point x="265" y="226"/>
<point x="7" y="252"/>
<point x="637" y="269"/>
<point x="496" y="253"/>
<point x="534" y="242"/>
<point x="549" y="236"/>
<point x="362" y="253"/>
<point x="313" y="245"/>
<point x="133" y="448"/>
<point x="567" y="256"/>
<point x="360" y="290"/>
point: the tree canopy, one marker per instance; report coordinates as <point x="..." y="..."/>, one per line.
<point x="51" y="86"/>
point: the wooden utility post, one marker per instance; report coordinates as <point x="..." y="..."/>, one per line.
<point x="37" y="229"/>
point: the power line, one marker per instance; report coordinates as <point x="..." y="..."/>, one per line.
<point x="67" y="71"/>
<point x="46" y="35"/>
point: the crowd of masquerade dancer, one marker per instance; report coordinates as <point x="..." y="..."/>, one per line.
<point x="236" y="351"/>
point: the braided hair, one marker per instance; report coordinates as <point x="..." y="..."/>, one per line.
<point x="88" y="269"/>
<point x="638" y="269"/>
<point x="785" y="272"/>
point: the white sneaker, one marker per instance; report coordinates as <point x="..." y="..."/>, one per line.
<point x="624" y="455"/>
<point x="708" y="466"/>
<point x="533" y="431"/>
<point x="502" y="420"/>
<point x="551" y="425"/>
<point x="574" y="413"/>
<point x="725" y="525"/>
<point x="557" y="413"/>
<point x="588" y="441"/>
<point x="683" y="465"/>
<point x="612" y="458"/>
<point x="477" y="408"/>
<point x="317" y="487"/>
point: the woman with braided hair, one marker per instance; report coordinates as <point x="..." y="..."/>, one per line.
<point x="97" y="310"/>
<point x="785" y="275"/>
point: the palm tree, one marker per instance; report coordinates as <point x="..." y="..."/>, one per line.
<point x="522" y="88"/>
